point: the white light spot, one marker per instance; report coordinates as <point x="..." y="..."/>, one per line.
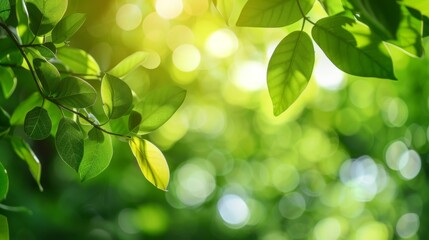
<point x="408" y="225"/>
<point x="186" y="57"/>
<point x="233" y="210"/>
<point x="250" y="76"/>
<point x="395" y="112"/>
<point x="393" y="153"/>
<point x="128" y="17"/>
<point x="222" y="43"/>
<point x="410" y="164"/>
<point x="169" y="9"/>
<point x="327" y="75"/>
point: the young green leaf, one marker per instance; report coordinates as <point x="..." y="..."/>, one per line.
<point x="4" y="183"/>
<point x="116" y="96"/>
<point x="134" y="121"/>
<point x="151" y="161"/>
<point x="69" y="143"/>
<point x="128" y="64"/>
<point x="4" y="122"/>
<point x="158" y="106"/>
<point x="97" y="154"/>
<point x="4" y="228"/>
<point x="45" y="14"/>
<point x="352" y="47"/>
<point x="289" y="70"/>
<point x="78" y="61"/>
<point x="4" y="10"/>
<point x="24" y="107"/>
<point x="67" y="27"/>
<point x="47" y="74"/>
<point x="37" y="124"/>
<point x="8" y="81"/>
<point x="273" y="13"/>
<point x="75" y="92"/>
<point x="23" y="150"/>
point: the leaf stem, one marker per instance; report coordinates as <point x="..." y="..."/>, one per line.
<point x="304" y="16"/>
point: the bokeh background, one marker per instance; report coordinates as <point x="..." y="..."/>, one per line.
<point x="347" y="161"/>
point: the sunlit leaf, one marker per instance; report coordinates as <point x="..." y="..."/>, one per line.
<point x="289" y="70"/>
<point x="69" y="143"/>
<point x="4" y="183"/>
<point x="4" y="122"/>
<point x="8" y="81"/>
<point x="78" y="61"/>
<point x="352" y="47"/>
<point x="23" y="28"/>
<point x="420" y="5"/>
<point x="158" y="106"/>
<point x="67" y="27"/>
<point x="128" y="64"/>
<point x="47" y="74"/>
<point x="332" y="7"/>
<point x="273" y="13"/>
<point x="151" y="161"/>
<point x="4" y="10"/>
<point x="44" y="51"/>
<point x="116" y="96"/>
<point x="97" y="154"/>
<point x="23" y="150"/>
<point x="75" y="92"/>
<point x="37" y="124"/>
<point x="45" y="14"/>
<point x="24" y="107"/>
<point x="4" y="228"/>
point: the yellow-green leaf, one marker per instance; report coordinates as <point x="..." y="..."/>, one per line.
<point x="151" y="161"/>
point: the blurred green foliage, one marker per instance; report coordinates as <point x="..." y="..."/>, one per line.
<point x="346" y="161"/>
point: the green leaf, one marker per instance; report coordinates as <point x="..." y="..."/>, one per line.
<point x="116" y="96"/>
<point x="4" y="228"/>
<point x="44" y="51"/>
<point x="78" y="61"/>
<point x="69" y="143"/>
<point x="420" y="5"/>
<point x="45" y="14"/>
<point x="37" y="124"/>
<point x="289" y="70"/>
<point x="134" y="121"/>
<point x="47" y="74"/>
<point x="273" y="13"/>
<point x="97" y="154"/>
<point x="4" y="183"/>
<point x="75" y="92"/>
<point x="158" y="106"/>
<point x="128" y="64"/>
<point x="332" y="7"/>
<point x="8" y="81"/>
<point x="4" y="10"/>
<point x="24" y="107"/>
<point x="23" y="29"/>
<point x="352" y="47"/>
<point x="67" y="27"/>
<point x="23" y="150"/>
<point x="4" y="122"/>
<point x="151" y="161"/>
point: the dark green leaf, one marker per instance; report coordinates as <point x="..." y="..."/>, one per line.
<point x="45" y="14"/>
<point x="289" y="70"/>
<point x="151" y="161"/>
<point x="4" y="122"/>
<point x="4" y="10"/>
<point x="128" y="64"/>
<point x="75" y="92"/>
<point x="23" y="150"/>
<point x="69" y="143"/>
<point x="116" y="96"/>
<point x="134" y="121"/>
<point x="37" y="124"/>
<point x="158" y="106"/>
<point x="48" y="75"/>
<point x="67" y="27"/>
<point x="353" y="48"/>
<point x="273" y="13"/>
<point x="4" y="228"/>
<point x="97" y="154"/>
<point x="8" y="81"/>
<point x="24" y="107"/>
<point x="4" y="183"/>
<point x="44" y="51"/>
<point x="78" y="61"/>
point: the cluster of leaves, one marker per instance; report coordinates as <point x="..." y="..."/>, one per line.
<point x="74" y="101"/>
<point x="353" y="36"/>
